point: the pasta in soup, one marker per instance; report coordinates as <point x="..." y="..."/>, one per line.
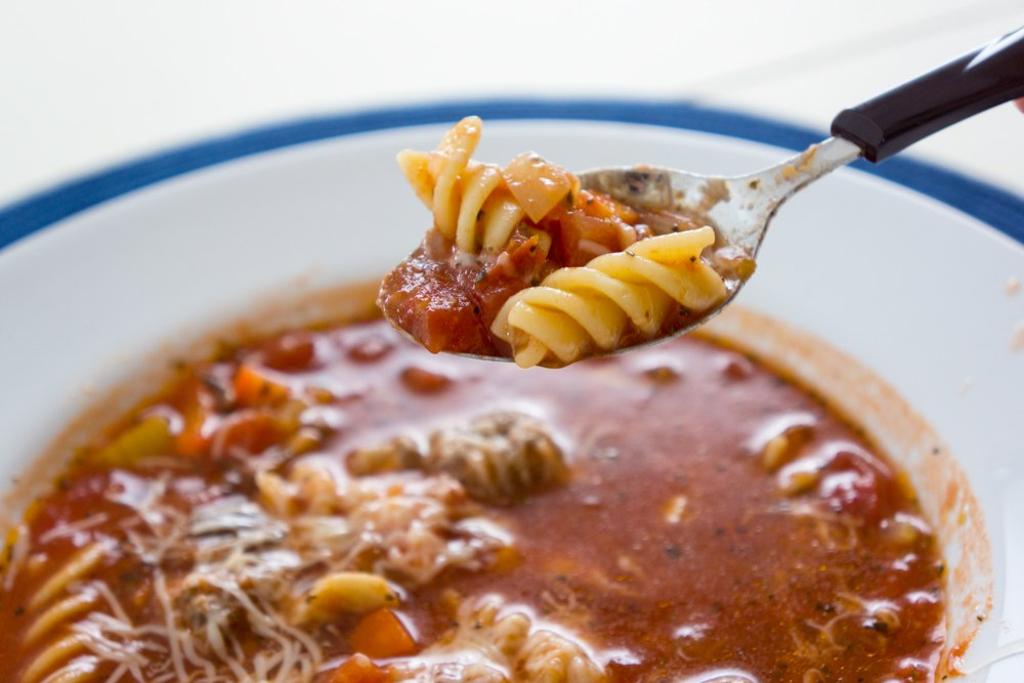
<point x="337" y="506"/>
<point x="521" y="261"/>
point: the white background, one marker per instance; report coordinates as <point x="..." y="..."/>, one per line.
<point x="84" y="84"/>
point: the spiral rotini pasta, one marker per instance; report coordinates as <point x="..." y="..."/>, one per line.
<point x="576" y="309"/>
<point x="471" y="202"/>
<point x="491" y="639"/>
<point x="56" y="608"/>
<point x="558" y="271"/>
<point x="498" y="457"/>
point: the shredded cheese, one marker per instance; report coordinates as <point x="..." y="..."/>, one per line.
<point x="242" y="560"/>
<point x="70" y="529"/>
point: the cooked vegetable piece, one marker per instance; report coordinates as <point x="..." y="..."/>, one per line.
<point x="382" y="634"/>
<point x="252" y="388"/>
<point x="603" y="206"/>
<point x="151" y="436"/>
<point x="536" y="184"/>
<point x="194" y="437"/>
<point x="248" y="431"/>
<point x="359" y="669"/>
<point x="290" y="352"/>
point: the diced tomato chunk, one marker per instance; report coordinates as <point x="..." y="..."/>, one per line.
<point x="437" y="302"/>
<point x="423" y="381"/>
<point x="440" y="318"/>
<point x="290" y="352"/>
<point x="370" y="349"/>
<point x="573" y="227"/>
<point x="850" y="483"/>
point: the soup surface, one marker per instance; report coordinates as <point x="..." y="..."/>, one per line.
<point x="339" y="505"/>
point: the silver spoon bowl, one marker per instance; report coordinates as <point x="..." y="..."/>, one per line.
<point x="739" y="208"/>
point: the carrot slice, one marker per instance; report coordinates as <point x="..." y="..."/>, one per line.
<point x="192" y="440"/>
<point x="359" y="669"/>
<point x="382" y="634"/>
<point x="191" y="400"/>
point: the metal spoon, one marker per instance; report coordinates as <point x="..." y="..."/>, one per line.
<point x="740" y="208"/>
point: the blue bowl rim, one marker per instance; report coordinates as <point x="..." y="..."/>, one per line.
<point x="994" y="206"/>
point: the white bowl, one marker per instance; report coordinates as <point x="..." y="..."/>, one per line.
<point x="104" y="275"/>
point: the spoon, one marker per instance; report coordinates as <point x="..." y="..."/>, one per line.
<point x="740" y="208"/>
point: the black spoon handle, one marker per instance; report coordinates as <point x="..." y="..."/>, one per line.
<point x="893" y="121"/>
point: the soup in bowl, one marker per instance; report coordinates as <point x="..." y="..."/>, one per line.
<point x="306" y="495"/>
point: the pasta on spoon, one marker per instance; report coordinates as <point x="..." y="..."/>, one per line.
<point x="525" y="262"/>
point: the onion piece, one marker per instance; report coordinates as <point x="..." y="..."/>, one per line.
<point x="536" y="184"/>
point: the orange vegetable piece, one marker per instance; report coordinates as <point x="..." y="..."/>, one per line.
<point x="254" y="389"/>
<point x="193" y="438"/>
<point x="528" y="256"/>
<point x="603" y="206"/>
<point x="359" y="669"/>
<point x="382" y="634"/>
<point x="573" y="228"/>
<point x="250" y="431"/>
<point x="191" y="441"/>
